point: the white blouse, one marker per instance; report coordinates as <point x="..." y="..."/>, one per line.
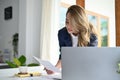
<point x="74" y="40"/>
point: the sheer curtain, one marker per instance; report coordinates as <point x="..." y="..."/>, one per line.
<point x="49" y="49"/>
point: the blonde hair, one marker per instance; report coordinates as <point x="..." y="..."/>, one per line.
<point x="80" y="24"/>
<point x="93" y="29"/>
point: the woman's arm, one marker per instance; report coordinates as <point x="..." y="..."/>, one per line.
<point x="58" y="65"/>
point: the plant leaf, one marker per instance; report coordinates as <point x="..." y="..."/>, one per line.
<point x="33" y="64"/>
<point x="17" y="62"/>
<point x="11" y="64"/>
<point x="22" y="59"/>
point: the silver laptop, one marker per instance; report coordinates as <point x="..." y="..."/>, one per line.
<point x="90" y="63"/>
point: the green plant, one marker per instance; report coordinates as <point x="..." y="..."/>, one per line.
<point x="21" y="61"/>
<point x="118" y="64"/>
<point x="15" y="44"/>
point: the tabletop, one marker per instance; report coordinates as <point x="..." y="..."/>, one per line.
<point x="9" y="74"/>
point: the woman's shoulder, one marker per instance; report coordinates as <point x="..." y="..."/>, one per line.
<point x="93" y="40"/>
<point x="93" y="36"/>
<point x="63" y="30"/>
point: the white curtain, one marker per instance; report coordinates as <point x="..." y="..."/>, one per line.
<point x="49" y="49"/>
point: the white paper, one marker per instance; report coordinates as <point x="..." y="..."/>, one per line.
<point x="47" y="65"/>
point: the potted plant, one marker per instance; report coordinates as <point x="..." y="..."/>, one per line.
<point x="15" y="44"/>
<point x="21" y="63"/>
<point x="118" y="68"/>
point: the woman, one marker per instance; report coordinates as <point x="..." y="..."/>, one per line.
<point x="77" y="33"/>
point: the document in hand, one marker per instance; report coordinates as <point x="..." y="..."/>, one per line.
<point x="47" y="65"/>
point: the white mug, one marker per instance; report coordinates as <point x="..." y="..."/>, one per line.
<point x="23" y="69"/>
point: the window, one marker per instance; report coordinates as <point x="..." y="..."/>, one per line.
<point x="100" y="22"/>
<point x="104" y="31"/>
<point x="62" y="16"/>
<point x="63" y="10"/>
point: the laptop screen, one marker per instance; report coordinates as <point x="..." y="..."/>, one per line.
<point x="90" y="63"/>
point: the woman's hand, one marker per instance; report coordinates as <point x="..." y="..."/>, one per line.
<point x="58" y="65"/>
<point x="48" y="71"/>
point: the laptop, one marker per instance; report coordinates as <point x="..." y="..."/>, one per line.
<point x="90" y="63"/>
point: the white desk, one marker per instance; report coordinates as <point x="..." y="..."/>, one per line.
<point x="27" y="78"/>
<point x="8" y="74"/>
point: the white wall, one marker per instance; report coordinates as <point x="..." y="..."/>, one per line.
<point x="71" y="2"/>
<point x="107" y="8"/>
<point x="29" y="28"/>
<point x="27" y="22"/>
<point x="8" y="27"/>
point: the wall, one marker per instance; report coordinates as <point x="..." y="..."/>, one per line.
<point x="27" y="21"/>
<point x="107" y="8"/>
<point x="71" y="2"/>
<point x="8" y="27"/>
<point x="29" y="28"/>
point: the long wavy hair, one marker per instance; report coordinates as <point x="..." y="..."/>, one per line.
<point x="80" y="24"/>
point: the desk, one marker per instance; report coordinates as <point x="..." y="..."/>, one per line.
<point x="27" y="78"/>
<point x="8" y="74"/>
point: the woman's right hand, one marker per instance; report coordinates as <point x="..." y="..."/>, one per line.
<point x="48" y="71"/>
<point x="58" y="65"/>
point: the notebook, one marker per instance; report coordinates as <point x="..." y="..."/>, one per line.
<point x="90" y="63"/>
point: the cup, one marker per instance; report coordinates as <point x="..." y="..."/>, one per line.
<point x="23" y="69"/>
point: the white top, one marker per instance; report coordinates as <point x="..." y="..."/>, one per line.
<point x="74" y="40"/>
